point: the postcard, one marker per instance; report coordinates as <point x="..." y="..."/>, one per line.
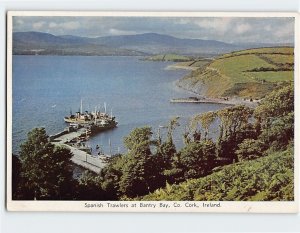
<point x="152" y="111"/>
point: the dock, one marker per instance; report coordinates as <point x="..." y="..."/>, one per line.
<point x="80" y="158"/>
<point x="225" y="101"/>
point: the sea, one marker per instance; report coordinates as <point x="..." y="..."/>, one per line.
<point x="136" y="92"/>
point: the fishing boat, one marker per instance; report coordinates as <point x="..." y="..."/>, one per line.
<point x="93" y="121"/>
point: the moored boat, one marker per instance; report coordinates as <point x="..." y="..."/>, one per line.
<point x="94" y="121"/>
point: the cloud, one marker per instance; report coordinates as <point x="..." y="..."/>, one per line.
<point x="242" y="28"/>
<point x="52" y="25"/>
<point x="115" y="32"/>
<point x="217" y="24"/>
<point x="38" y="25"/>
<point x="268" y="28"/>
<point x="227" y="29"/>
<point x="71" y="25"/>
<point x="286" y="31"/>
<point x="20" y="22"/>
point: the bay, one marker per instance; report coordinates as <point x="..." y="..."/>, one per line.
<point x="47" y="88"/>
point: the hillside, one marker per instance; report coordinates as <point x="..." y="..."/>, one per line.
<point x="140" y="44"/>
<point x="37" y="43"/>
<point x="268" y="178"/>
<point x="40" y="43"/>
<point x="249" y="73"/>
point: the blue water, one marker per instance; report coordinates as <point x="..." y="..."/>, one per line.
<point x="46" y="88"/>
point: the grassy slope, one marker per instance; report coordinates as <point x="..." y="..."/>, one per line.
<point x="229" y="74"/>
<point x="268" y="178"/>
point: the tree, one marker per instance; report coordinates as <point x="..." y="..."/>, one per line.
<point x="16" y="177"/>
<point x="138" y="176"/>
<point x="205" y="119"/>
<point x="234" y="127"/>
<point x="171" y="126"/>
<point x="278" y="103"/>
<point x="46" y="169"/>
<point x="275" y="117"/>
<point x="89" y="187"/>
<point x="249" y="149"/>
<point x="111" y="175"/>
<point x="138" y="136"/>
<point x="197" y="159"/>
<point x="280" y="132"/>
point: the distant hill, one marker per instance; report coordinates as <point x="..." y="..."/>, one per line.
<point x="141" y="44"/>
<point x="37" y="43"/>
<point x="154" y="43"/>
<point x="250" y="73"/>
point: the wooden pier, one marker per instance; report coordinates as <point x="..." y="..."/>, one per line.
<point x="80" y="158"/>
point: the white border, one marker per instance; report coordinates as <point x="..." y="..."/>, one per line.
<point x="226" y="207"/>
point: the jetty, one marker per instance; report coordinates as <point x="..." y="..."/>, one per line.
<point x="81" y="158"/>
<point x="225" y="101"/>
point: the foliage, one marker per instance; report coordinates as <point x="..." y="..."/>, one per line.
<point x="276" y="118"/>
<point x="46" y="170"/>
<point x="234" y="128"/>
<point x="277" y="104"/>
<point x="138" y="171"/>
<point x="89" y="187"/>
<point x="111" y="175"/>
<point x="249" y="149"/>
<point x="265" y="179"/>
<point x="138" y="136"/>
<point x="205" y="119"/>
<point x="197" y="159"/>
<point x="16" y="178"/>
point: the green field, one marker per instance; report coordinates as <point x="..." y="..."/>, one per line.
<point x="249" y="73"/>
<point x="280" y="50"/>
<point x="280" y="58"/>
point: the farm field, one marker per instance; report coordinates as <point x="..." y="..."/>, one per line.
<point x="248" y="74"/>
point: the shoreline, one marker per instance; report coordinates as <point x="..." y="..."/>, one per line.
<point x="202" y="99"/>
<point x="178" y="67"/>
<point x="225" y="101"/>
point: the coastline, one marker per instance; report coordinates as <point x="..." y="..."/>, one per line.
<point x="225" y="101"/>
<point x="178" y="67"/>
<point x="230" y="101"/>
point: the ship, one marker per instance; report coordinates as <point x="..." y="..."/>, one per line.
<point x="93" y="121"/>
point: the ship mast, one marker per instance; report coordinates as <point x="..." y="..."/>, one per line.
<point x="81" y="106"/>
<point x="105" y="107"/>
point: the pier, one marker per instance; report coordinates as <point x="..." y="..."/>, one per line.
<point x="80" y="157"/>
<point x="225" y="101"/>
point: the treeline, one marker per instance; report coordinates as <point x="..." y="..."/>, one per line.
<point x="284" y="67"/>
<point x="152" y="162"/>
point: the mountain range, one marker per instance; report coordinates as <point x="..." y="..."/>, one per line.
<point x="40" y="43"/>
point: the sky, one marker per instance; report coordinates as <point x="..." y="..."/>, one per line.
<point x="227" y="29"/>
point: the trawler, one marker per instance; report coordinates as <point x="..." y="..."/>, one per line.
<point x="94" y="121"/>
